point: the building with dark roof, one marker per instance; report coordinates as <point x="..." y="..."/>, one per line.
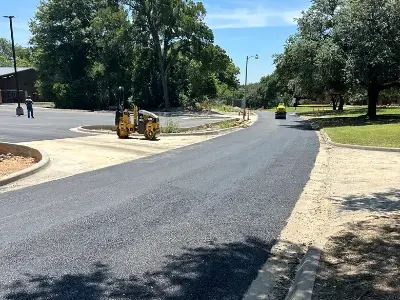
<point x="8" y="87"/>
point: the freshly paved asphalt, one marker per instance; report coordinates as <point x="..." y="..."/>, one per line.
<point x="51" y="124"/>
<point x="193" y="223"/>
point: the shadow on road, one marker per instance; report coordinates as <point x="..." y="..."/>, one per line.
<point x="300" y="124"/>
<point x="377" y="202"/>
<point x="222" y="271"/>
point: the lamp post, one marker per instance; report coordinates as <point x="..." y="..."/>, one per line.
<point x="245" y="83"/>
<point x="19" y="110"/>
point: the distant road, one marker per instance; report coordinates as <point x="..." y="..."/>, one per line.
<point x="193" y="223"/>
<point x="55" y="124"/>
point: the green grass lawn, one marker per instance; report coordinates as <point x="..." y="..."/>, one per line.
<point x="352" y="127"/>
<point x="50" y="104"/>
<point x="381" y="135"/>
<point x="303" y="109"/>
<point x="350" y="111"/>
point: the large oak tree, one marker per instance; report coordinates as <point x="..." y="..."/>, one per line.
<point x="169" y="27"/>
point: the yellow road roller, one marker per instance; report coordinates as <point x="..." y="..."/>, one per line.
<point x="144" y="122"/>
<point x="280" y="112"/>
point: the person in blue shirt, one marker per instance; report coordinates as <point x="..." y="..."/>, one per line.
<point x="29" y="107"/>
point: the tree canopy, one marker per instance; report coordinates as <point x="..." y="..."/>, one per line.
<point x="342" y="44"/>
<point x="160" y="51"/>
<point x="23" y="54"/>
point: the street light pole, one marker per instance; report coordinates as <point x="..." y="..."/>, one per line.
<point x="19" y="110"/>
<point x="245" y="83"/>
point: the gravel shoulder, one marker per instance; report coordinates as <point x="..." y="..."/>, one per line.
<point x="346" y="187"/>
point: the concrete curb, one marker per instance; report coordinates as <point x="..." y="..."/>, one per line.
<point x="303" y="284"/>
<point x="96" y="128"/>
<point x="329" y="141"/>
<point x="110" y="129"/>
<point x="85" y="130"/>
<point x="41" y="157"/>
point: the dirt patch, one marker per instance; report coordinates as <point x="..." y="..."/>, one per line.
<point x="361" y="262"/>
<point x="346" y="186"/>
<point x="10" y="163"/>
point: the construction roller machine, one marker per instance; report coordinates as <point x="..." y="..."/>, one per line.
<point x="144" y="122"/>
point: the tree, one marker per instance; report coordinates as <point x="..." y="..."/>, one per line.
<point x="211" y="73"/>
<point x="312" y="62"/>
<point x="22" y="54"/>
<point x="81" y="51"/>
<point x="270" y="90"/>
<point x="169" y="27"/>
<point x="112" y="52"/>
<point x="368" y="31"/>
<point x="342" y="44"/>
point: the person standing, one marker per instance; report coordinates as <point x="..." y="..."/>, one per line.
<point x="29" y="107"/>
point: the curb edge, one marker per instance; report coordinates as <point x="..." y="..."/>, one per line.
<point x="303" y="283"/>
<point x="44" y="162"/>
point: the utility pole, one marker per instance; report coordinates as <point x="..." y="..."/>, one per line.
<point x="19" y="110"/>
<point x="245" y="84"/>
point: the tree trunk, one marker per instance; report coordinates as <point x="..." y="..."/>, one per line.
<point x="373" y="94"/>
<point x="164" y="80"/>
<point x="334" y="102"/>
<point x="341" y="102"/>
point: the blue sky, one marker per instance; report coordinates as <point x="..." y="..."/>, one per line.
<point x="242" y="27"/>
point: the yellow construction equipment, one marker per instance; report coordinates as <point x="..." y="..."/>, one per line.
<point x="144" y="122"/>
<point x="280" y="112"/>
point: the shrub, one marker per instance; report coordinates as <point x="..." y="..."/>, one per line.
<point x="170" y="127"/>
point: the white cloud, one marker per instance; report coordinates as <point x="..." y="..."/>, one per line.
<point x="259" y="16"/>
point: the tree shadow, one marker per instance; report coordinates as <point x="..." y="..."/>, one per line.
<point x="328" y="122"/>
<point x="378" y="202"/>
<point x="217" y="271"/>
<point x="301" y="125"/>
<point x="330" y="112"/>
<point x="361" y="262"/>
<point x="140" y="138"/>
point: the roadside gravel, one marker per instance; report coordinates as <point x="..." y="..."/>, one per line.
<point x="346" y="186"/>
<point x="10" y="163"/>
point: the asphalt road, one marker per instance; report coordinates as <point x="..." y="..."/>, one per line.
<point x="193" y="223"/>
<point x="51" y="124"/>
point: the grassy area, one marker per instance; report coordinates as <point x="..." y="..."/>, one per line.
<point x="226" y="108"/>
<point x="50" y="104"/>
<point x="386" y="135"/>
<point x="352" y="127"/>
<point x="229" y="123"/>
<point x="351" y="111"/>
<point x="306" y="108"/>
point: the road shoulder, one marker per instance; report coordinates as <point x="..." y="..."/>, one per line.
<point x="345" y="188"/>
